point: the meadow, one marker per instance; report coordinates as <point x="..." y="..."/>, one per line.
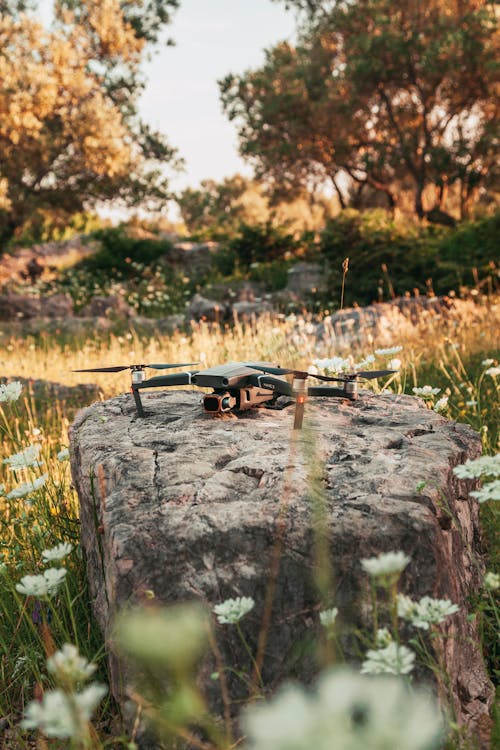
<point x="456" y="355"/>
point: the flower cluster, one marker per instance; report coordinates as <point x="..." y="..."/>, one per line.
<point x="59" y="552"/>
<point x="426" y="391"/>
<point x="484" y="466"/>
<point x="68" y="667"/>
<point x="390" y="659"/>
<point x="11" y="391"/>
<point x="46" y="584"/>
<point x="25" y="459"/>
<point x="62" y="715"/>
<point x="427" y="611"/>
<point x="26" y="488"/>
<point x="232" y="611"/>
<point x="385" y="564"/>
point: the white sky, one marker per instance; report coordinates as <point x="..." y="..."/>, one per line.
<point x="181" y="99"/>
<point x="213" y="38"/>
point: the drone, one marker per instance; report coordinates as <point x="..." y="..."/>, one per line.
<point x="239" y="386"/>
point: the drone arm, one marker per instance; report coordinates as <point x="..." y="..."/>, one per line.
<point x="320" y="390"/>
<point x="273" y="384"/>
<point x="176" y="378"/>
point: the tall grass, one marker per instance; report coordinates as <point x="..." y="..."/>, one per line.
<point x="452" y="351"/>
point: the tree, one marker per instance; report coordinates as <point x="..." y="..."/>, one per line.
<point x="70" y="135"/>
<point x="387" y="93"/>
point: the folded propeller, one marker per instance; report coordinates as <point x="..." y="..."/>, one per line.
<point x="120" y="368"/>
<point x="302" y="374"/>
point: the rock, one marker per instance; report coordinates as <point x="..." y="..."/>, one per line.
<point x="194" y="257"/>
<point x="251" y="309"/>
<point x="32" y="262"/>
<point x="201" y="308"/>
<point x="110" y="306"/>
<point x="23" y="306"/>
<point x="305" y="279"/>
<point x="188" y="505"/>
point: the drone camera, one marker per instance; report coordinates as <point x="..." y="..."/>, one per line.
<point x="216" y="403"/>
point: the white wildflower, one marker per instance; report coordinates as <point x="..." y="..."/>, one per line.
<point x="46" y="584"/>
<point x="26" y="488"/>
<point x="345" y="711"/>
<point x="487" y="362"/>
<point x="328" y="616"/>
<point x="388" y="352"/>
<point x="32" y="586"/>
<point x="428" y="611"/>
<point x="68" y="666"/>
<point x="472" y="402"/>
<point x="25" y="459"/>
<point x="385" y="564"/>
<point x="492" y="581"/>
<point x="10" y="391"/>
<point x="441" y="404"/>
<point x="407" y="608"/>
<point x="492" y="372"/>
<point x="490" y="491"/>
<point x="383" y="638"/>
<point x="334" y="364"/>
<point x="59" y="715"/>
<point x="366" y="362"/>
<point x="59" y="552"/>
<point x="233" y="610"/>
<point x="426" y="391"/>
<point x="394" y="364"/>
<point x="484" y="466"/>
<point x="63" y="454"/>
<point x="393" y="659"/>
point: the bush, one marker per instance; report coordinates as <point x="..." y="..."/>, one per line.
<point x="261" y="243"/>
<point x="388" y="259"/>
<point x="119" y="252"/>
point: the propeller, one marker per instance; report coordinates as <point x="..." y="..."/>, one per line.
<point x="120" y="368"/>
<point x="366" y="374"/>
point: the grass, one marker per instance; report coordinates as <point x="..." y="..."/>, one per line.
<point x="447" y="351"/>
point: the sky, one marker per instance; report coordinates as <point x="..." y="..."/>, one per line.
<point x="181" y="99"/>
<point x="212" y="38"/>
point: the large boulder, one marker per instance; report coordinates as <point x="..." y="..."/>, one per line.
<point x="188" y="505"/>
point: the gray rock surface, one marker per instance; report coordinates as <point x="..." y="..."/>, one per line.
<point x="190" y="506"/>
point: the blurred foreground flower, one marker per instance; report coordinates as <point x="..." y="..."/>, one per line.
<point x="346" y="711"/>
<point x="173" y="637"/>
<point x="233" y="610"/>
<point x="388" y="352"/>
<point x="10" y="391"/>
<point x="492" y="581"/>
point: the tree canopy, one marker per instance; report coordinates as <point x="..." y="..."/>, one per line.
<point x="376" y="94"/>
<point x="70" y="134"/>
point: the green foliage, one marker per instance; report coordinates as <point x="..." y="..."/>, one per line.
<point x="262" y="243"/>
<point x="388" y="259"/>
<point x="382" y="92"/>
<point x="119" y="251"/>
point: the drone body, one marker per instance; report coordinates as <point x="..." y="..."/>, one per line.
<point x="239" y="386"/>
